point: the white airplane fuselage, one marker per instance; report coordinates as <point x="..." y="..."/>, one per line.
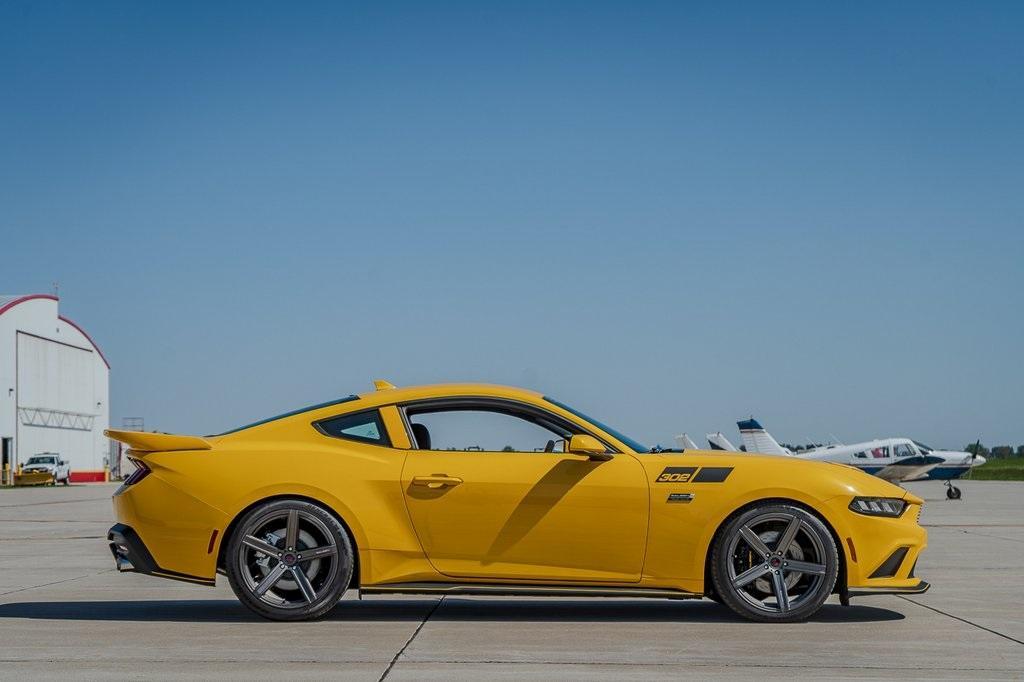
<point x="898" y="459"/>
<point x="892" y="459"/>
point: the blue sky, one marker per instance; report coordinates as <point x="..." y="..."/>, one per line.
<point x="672" y="215"/>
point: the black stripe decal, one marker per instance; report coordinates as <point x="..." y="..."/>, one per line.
<point x="712" y="474"/>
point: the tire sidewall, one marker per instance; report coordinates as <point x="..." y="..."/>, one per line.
<point x="720" y="565"/>
<point x="328" y="599"/>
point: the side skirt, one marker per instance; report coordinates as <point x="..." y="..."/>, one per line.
<point x="511" y="590"/>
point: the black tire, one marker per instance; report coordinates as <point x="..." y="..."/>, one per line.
<point x="953" y="493"/>
<point x="266" y="567"/>
<point x="749" y="565"/>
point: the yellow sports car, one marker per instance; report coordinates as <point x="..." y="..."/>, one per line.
<point x="488" y="490"/>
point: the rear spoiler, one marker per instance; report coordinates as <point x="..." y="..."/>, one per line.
<point x="140" y="441"/>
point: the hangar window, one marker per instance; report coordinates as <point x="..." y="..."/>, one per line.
<point x="365" y="427"/>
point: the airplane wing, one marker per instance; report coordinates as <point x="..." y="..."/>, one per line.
<point x="908" y="468"/>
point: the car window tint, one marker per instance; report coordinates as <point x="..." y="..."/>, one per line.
<point x="366" y="427"/>
<point x="487" y="431"/>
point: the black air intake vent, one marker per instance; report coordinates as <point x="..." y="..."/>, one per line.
<point x="891" y="565"/>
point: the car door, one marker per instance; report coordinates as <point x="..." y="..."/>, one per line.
<point x="511" y="512"/>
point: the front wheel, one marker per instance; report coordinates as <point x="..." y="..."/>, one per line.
<point x="289" y="560"/>
<point x="774" y="563"/>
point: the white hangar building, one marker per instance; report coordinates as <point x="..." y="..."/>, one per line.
<point x="54" y="388"/>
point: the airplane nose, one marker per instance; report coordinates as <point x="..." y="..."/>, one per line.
<point x="978" y="461"/>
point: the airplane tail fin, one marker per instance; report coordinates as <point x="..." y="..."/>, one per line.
<point x="718" y="441"/>
<point x="756" y="439"/>
<point x="685" y="442"/>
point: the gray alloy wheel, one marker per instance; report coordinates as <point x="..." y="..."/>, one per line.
<point x="775" y="563"/>
<point x="289" y="560"/>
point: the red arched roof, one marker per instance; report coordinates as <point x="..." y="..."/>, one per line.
<point x="21" y="299"/>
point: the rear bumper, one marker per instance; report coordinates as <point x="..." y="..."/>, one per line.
<point x="132" y="556"/>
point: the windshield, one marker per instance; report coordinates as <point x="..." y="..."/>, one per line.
<point x="922" y="447"/>
<point x="633" y="445"/>
<point x="40" y="460"/>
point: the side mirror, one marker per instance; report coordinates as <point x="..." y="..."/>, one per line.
<point x="582" y="444"/>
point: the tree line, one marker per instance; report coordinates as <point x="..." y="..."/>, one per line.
<point x="997" y="452"/>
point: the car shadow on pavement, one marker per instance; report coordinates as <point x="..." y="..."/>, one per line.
<point x="453" y="609"/>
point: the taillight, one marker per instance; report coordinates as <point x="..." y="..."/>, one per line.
<point x="141" y="471"/>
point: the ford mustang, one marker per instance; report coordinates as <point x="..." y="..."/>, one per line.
<point x="412" y="491"/>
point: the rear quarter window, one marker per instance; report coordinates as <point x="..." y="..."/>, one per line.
<point x="362" y="427"/>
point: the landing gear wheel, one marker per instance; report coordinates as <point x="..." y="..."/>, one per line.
<point x="289" y="560"/>
<point x="774" y="563"/>
<point x="952" y="492"/>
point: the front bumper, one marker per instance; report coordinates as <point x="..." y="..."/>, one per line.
<point x="132" y="556"/>
<point x="920" y="588"/>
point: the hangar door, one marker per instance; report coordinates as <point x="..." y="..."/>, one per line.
<point x="56" y="407"/>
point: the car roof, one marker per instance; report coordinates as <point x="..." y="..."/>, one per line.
<point x="387" y="394"/>
<point x="384" y="396"/>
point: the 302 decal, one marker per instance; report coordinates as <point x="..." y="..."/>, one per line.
<point x="676" y="475"/>
<point x="693" y="475"/>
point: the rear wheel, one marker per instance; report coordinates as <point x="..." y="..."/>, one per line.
<point x="775" y="563"/>
<point x="289" y="560"/>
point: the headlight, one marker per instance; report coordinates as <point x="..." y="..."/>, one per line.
<point x="878" y="506"/>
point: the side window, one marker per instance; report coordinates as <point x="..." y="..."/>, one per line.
<point x="861" y="455"/>
<point x="480" y="429"/>
<point x="364" y="427"/>
<point x="880" y="453"/>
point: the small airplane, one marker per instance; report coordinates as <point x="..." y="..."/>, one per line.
<point x="685" y="442"/>
<point x="892" y="459"/>
<point x="716" y="441"/>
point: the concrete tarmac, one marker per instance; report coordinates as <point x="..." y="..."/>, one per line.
<point x="65" y="613"/>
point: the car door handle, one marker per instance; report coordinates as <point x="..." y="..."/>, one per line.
<point x="436" y="481"/>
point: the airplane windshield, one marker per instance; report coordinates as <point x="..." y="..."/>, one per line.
<point x="923" y="448"/>
<point x="900" y="450"/>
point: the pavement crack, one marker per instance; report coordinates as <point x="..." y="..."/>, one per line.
<point x="56" y="582"/>
<point x="387" y="671"/>
<point x="54" y="537"/>
<point x="962" y="620"/>
<point x="39" y="504"/>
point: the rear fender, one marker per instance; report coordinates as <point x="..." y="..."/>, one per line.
<point x="310" y="493"/>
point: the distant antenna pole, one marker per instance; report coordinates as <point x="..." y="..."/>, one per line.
<point x="56" y="289"/>
<point x="133" y="423"/>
